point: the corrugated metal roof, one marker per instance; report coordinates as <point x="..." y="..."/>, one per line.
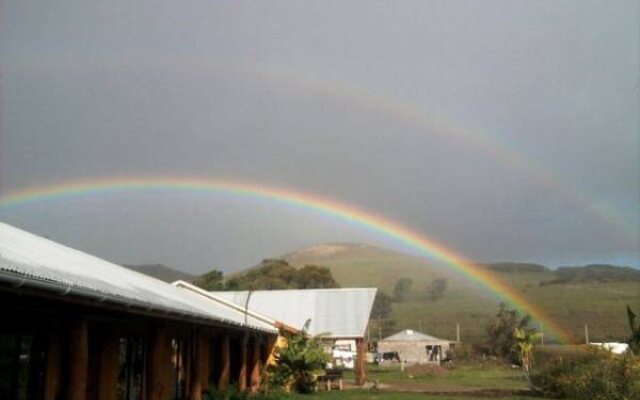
<point x="30" y="258"/>
<point x="409" y="335"/>
<point x="337" y="313"/>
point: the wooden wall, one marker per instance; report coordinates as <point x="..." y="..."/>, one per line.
<point x="84" y="351"/>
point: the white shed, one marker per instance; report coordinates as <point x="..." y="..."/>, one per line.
<point x="415" y="347"/>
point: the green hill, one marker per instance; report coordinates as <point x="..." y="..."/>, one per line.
<point x="573" y="296"/>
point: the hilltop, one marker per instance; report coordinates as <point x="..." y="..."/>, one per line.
<point x="357" y="264"/>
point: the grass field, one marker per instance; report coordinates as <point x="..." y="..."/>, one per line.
<point x="468" y="381"/>
<point x="383" y="395"/>
<point x="461" y="378"/>
<point x="601" y="305"/>
<point x="465" y="376"/>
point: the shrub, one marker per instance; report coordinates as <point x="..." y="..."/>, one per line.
<point x="546" y="356"/>
<point x="232" y="393"/>
<point x="598" y="375"/>
<point x="464" y="352"/>
<point x="297" y="361"/>
<point x="501" y="339"/>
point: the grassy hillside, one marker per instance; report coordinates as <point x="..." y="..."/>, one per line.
<point x="161" y="272"/>
<point x="574" y="302"/>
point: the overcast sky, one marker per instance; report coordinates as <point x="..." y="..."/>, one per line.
<point x="506" y="130"/>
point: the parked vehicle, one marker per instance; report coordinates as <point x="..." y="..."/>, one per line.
<point x="343" y="358"/>
<point x="387" y="357"/>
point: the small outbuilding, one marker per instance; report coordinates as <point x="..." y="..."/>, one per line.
<point x="416" y="348"/>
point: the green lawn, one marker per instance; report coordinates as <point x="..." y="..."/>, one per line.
<point x="470" y="381"/>
<point x="463" y="377"/>
<point x="385" y="395"/>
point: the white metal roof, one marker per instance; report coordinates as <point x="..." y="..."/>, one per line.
<point x="409" y="335"/>
<point x="336" y="313"/>
<point x="28" y="259"/>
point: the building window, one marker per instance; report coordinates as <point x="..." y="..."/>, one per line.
<point x="131" y="366"/>
<point x="179" y="370"/>
<point x="22" y="361"/>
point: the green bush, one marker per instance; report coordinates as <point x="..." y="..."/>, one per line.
<point x="464" y="352"/>
<point x="545" y="357"/>
<point x="501" y="340"/>
<point x="232" y="393"/>
<point x="297" y="362"/>
<point x="596" y="375"/>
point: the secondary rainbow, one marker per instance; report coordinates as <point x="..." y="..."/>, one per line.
<point x="418" y="241"/>
<point x="411" y="112"/>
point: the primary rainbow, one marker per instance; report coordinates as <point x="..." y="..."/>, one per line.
<point x="418" y="241"/>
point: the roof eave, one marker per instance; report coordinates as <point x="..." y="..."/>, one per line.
<point x="17" y="281"/>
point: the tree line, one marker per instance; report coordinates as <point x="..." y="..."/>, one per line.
<point x="270" y="274"/>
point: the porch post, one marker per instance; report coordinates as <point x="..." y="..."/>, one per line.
<point x="200" y="359"/>
<point x="225" y="363"/>
<point x="206" y="359"/>
<point x="108" y="366"/>
<point x="53" y="368"/>
<point x="255" y="364"/>
<point x="158" y="374"/>
<point x="242" y="374"/>
<point x="78" y="360"/>
<point x="361" y="349"/>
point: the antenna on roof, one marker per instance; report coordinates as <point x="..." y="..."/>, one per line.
<point x="246" y="306"/>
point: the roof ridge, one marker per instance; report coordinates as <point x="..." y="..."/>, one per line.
<point x="294" y="290"/>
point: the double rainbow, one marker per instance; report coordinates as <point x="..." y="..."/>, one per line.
<point x="402" y="110"/>
<point x="415" y="240"/>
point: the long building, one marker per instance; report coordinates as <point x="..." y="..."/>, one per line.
<point x="77" y="327"/>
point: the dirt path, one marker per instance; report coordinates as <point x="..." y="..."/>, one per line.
<point x="445" y="391"/>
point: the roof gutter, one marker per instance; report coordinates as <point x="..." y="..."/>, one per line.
<point x="64" y="289"/>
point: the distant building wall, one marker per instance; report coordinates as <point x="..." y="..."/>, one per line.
<point x="416" y="352"/>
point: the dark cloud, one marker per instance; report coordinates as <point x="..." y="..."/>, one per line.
<point x="506" y="131"/>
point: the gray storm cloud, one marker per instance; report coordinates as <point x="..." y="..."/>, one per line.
<point x="507" y="131"/>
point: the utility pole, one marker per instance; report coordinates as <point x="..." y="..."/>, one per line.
<point x="458" y="332"/>
<point x="586" y="333"/>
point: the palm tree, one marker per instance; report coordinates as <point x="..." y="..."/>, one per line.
<point x="526" y="339"/>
